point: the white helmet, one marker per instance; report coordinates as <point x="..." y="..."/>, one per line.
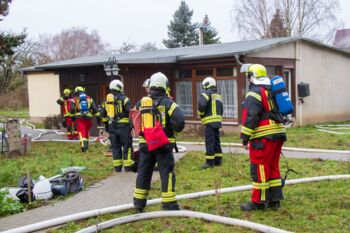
<point x="146" y="83"/>
<point x="208" y="82"/>
<point x="158" y="80"/>
<point x="116" y="85"/>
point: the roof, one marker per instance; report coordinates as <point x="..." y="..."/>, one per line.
<point x="166" y="56"/>
<point x="342" y="39"/>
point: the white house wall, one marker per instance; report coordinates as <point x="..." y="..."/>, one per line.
<point x="281" y="51"/>
<point x="43" y="91"/>
<point x="327" y="73"/>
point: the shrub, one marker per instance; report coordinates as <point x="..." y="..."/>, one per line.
<point x="52" y="122"/>
<point x="9" y="206"/>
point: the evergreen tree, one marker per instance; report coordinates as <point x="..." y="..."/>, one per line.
<point x="181" y="31"/>
<point x="209" y="32"/>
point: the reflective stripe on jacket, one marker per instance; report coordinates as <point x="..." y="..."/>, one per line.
<point x="210" y="107"/>
<point x="259" y="117"/>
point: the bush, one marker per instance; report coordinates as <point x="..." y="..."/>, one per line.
<point x="52" y="122"/>
<point x="16" y="96"/>
<point x="9" y="206"/>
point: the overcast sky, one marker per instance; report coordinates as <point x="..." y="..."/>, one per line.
<point x="117" y="21"/>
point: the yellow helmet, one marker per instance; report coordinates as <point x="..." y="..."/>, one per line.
<point x="257" y="71"/>
<point x="66" y="91"/>
<point x="79" y="89"/>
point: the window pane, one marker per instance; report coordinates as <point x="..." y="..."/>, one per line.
<point x="271" y="71"/>
<point x="184" y="96"/>
<point x="224" y="71"/>
<point x="204" y="72"/>
<point x="186" y="73"/>
<point x="228" y="91"/>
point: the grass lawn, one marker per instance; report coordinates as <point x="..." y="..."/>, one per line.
<point x="310" y="207"/>
<point x="47" y="158"/>
<point x="19" y="113"/>
<point x="302" y="137"/>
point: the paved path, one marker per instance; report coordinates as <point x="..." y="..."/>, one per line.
<point x="115" y="190"/>
<point x="118" y="189"/>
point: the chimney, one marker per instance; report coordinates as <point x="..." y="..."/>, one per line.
<point x="201" y="36"/>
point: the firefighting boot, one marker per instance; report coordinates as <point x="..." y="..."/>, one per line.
<point x="118" y="168"/>
<point x="218" y="161"/>
<point x="139" y="210"/>
<point x="171" y="206"/>
<point x="250" y="206"/>
<point x="208" y="164"/>
<point x="274" y="205"/>
<point x="85" y="146"/>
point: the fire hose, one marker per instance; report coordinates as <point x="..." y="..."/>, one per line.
<point x="114" y="209"/>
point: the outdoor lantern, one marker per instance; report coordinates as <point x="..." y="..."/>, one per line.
<point x="115" y="69"/>
<point x="111" y="67"/>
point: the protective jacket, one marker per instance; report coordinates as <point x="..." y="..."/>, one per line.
<point x="259" y="117"/>
<point x="77" y="113"/>
<point x="122" y="107"/>
<point x="173" y="119"/>
<point x="65" y="103"/>
<point x="210" y="108"/>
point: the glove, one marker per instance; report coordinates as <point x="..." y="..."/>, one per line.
<point x="106" y="127"/>
<point x="64" y="125"/>
<point x="73" y="119"/>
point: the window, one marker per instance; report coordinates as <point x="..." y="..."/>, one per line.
<point x="184" y="96"/>
<point x="204" y="72"/>
<point x="224" y="72"/>
<point x="228" y="91"/>
<point x="271" y="71"/>
<point x="187" y="73"/>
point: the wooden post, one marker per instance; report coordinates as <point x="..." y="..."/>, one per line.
<point x="29" y="181"/>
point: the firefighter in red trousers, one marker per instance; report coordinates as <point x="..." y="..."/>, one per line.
<point x="65" y="102"/>
<point x="83" y="108"/>
<point x="264" y="134"/>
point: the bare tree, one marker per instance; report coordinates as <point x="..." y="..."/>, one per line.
<point x="149" y="46"/>
<point x="309" y="18"/>
<point x="127" y="47"/>
<point x="70" y="43"/>
<point x="23" y="56"/>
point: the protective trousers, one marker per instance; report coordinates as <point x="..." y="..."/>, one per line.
<point x="264" y="169"/>
<point x="72" y="132"/>
<point x="165" y="159"/>
<point x="121" y="147"/>
<point x="213" y="149"/>
<point x="84" y="126"/>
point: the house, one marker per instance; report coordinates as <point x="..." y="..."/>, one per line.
<point x="342" y="39"/>
<point x="298" y="60"/>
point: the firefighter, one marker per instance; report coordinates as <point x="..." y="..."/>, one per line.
<point x="82" y="110"/>
<point x="65" y="102"/>
<point x="116" y="119"/>
<point x="172" y="120"/>
<point x="264" y="134"/>
<point x="210" y="110"/>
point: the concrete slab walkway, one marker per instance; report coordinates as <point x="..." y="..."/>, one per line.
<point x="118" y="189"/>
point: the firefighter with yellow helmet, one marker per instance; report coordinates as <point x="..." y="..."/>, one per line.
<point x="65" y="101"/>
<point x="82" y="110"/>
<point x="115" y="116"/>
<point x="264" y="134"/>
<point x="161" y="117"/>
<point x="210" y="108"/>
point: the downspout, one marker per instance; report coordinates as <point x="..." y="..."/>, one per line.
<point x="237" y="56"/>
<point x="300" y="69"/>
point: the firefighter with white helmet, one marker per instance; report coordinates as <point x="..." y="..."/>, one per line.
<point x="115" y="116"/>
<point x="210" y="110"/>
<point x="169" y="118"/>
<point x="263" y="131"/>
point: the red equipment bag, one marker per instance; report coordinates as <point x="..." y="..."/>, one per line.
<point x="135" y="116"/>
<point x="155" y="137"/>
